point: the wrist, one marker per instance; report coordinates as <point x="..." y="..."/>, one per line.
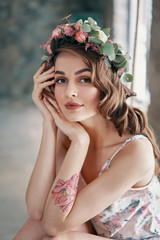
<point x="49" y="125"/>
<point x="82" y="139"/>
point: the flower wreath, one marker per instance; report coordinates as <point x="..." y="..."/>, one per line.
<point x="91" y="36"/>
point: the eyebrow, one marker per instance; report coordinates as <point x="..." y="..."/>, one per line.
<point x="76" y="73"/>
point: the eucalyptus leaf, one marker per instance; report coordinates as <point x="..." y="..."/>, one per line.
<point x="107" y="48"/>
<point x="106" y="31"/>
<point x="112" y="56"/>
<point x="127" y="77"/>
<point x="120" y="65"/>
<point x="43" y="62"/>
<point x="80" y="21"/>
<point x="86" y="27"/>
<point x="95" y="27"/>
<point x="115" y="47"/>
<point x="93" y="34"/>
<point x="91" y="21"/>
<point x="119" y="52"/>
<point x="99" y="48"/>
<point x="46" y="53"/>
<point x="44" y="58"/>
<point x="119" y="58"/>
<point x="95" y="40"/>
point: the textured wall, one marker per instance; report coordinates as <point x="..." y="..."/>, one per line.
<point x="25" y="25"/>
<point x="154" y="71"/>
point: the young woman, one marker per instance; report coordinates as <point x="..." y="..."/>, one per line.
<point x="97" y="159"/>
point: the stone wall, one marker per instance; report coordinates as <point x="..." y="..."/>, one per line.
<point x="25" y="25"/>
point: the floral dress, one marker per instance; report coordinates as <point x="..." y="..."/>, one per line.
<point x="136" y="215"/>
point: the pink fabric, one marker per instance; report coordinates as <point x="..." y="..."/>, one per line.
<point x="136" y="215"/>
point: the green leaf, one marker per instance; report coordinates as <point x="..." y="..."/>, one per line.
<point x="91" y="20"/>
<point x="80" y="21"/>
<point x="107" y="48"/>
<point x="121" y="64"/>
<point x="112" y="56"/>
<point x="86" y="27"/>
<point x="115" y="47"/>
<point x="119" y="52"/>
<point x="46" y="53"/>
<point x="99" y="48"/>
<point x="44" y="58"/>
<point x="106" y="31"/>
<point x="95" y="40"/>
<point x="95" y="27"/>
<point x="127" y="77"/>
<point x="93" y="34"/>
<point x="119" y="58"/>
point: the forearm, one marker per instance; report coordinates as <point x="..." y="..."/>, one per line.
<point x="63" y="191"/>
<point x="43" y="173"/>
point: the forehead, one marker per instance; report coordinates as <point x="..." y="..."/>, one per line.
<point x="70" y="61"/>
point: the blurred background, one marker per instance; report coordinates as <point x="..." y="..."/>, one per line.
<point x="25" y="25"/>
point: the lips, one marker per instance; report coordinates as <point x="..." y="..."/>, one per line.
<point x="72" y="106"/>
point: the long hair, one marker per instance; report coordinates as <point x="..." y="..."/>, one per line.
<point x="114" y="93"/>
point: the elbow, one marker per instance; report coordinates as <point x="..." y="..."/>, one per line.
<point x="53" y="229"/>
<point x="34" y="211"/>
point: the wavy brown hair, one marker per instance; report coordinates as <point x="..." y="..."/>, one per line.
<point x="114" y="93"/>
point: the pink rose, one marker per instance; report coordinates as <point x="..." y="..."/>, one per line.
<point x="57" y="33"/>
<point x="81" y="36"/>
<point x="68" y="30"/>
<point x="110" y="41"/>
<point x="77" y="26"/>
<point x="46" y="44"/>
<point x="92" y="46"/>
<point x="49" y="49"/>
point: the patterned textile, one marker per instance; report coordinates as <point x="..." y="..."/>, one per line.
<point x="136" y="215"/>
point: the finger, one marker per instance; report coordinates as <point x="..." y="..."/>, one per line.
<point x="44" y="78"/>
<point x="47" y="83"/>
<point x="53" y="108"/>
<point x="51" y="70"/>
<point x="47" y="93"/>
<point x="52" y="88"/>
<point x="53" y="102"/>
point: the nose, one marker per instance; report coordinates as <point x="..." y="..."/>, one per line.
<point x="71" y="90"/>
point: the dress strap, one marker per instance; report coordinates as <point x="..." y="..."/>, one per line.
<point x="107" y="163"/>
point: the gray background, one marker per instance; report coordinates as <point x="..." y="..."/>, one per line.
<point x="25" y="25"/>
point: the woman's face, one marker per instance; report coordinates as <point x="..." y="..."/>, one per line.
<point x="75" y="94"/>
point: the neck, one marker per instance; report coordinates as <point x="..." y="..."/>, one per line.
<point x="101" y="131"/>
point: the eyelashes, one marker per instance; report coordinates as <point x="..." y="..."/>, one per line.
<point x="82" y="80"/>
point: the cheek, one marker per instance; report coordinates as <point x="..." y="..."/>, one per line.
<point x="93" y="96"/>
<point x="58" y="94"/>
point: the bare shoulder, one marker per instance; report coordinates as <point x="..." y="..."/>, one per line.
<point x="137" y="154"/>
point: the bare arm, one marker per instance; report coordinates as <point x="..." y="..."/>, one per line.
<point x="43" y="173"/>
<point x="44" y="170"/>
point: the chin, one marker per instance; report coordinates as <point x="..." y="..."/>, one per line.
<point x="80" y="118"/>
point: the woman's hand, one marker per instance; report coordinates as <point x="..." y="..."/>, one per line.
<point x="42" y="80"/>
<point x="73" y="130"/>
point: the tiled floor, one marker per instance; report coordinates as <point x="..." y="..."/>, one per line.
<point x="20" y="133"/>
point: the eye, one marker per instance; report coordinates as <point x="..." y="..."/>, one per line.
<point x="85" y="80"/>
<point x="60" y="81"/>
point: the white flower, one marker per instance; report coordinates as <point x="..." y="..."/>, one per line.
<point x="102" y="36"/>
